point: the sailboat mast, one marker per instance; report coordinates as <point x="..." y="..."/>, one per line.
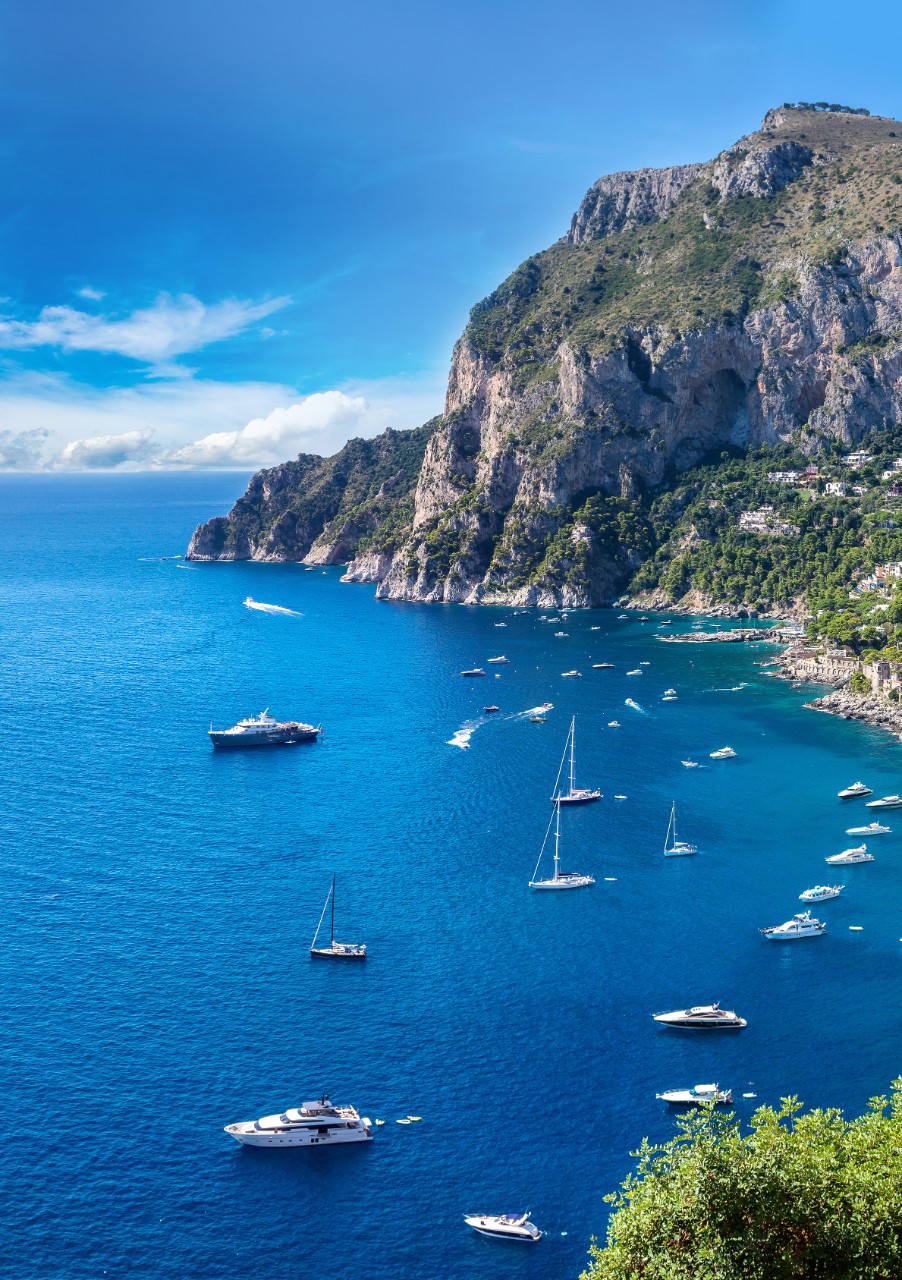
<point x="557" y="839"/>
<point x="332" y="926"/>
<point x="572" y="749"/>
<point x="669" y="825"/>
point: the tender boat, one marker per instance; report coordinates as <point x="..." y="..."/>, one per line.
<point x="264" y="731"/>
<point x="668" y="623"/>
<point x="559" y="879"/>
<point x="725" y="753"/>
<point x="491" y="708"/>
<point x="872" y="829"/>
<point x="571" y="673"/>
<point x="674" y="848"/>
<point x="560" y="634"/>
<point x="669" y="695"/>
<point x="637" y="672"/>
<point x="701" y="1017"/>
<point x="547" y="706"/>
<point x="849" y="857"/>
<point x="336" y="950"/>
<point x="613" y="724"/>
<point x="821" y="893"/>
<point x="603" y="666"/>
<point x="887" y="802"/>
<point x="802" y="925"/>
<point x="857" y="789"/>
<point x="500" y="624"/>
<point x="689" y="764"/>
<point x="699" y="1095"/>
<point x="538" y="719"/>
<point x="574" y="794"/>
<point x="500" y="658"/>
<point x="504" y="1226"/>
<point x="315" y="1124"/>
<point x="474" y="671"/>
<point x="595" y="628"/>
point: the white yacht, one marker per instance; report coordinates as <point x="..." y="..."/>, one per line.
<point x="669" y="695"/>
<point x="559" y="879"/>
<point x="504" y="1226"/>
<point x="574" y="794"/>
<point x="500" y="658"/>
<point x="559" y="635"/>
<point x="674" y="848"/>
<point x="856" y="790"/>
<point x="603" y="666"/>
<point x="849" y="857"/>
<point x="701" y="1017"/>
<point x="802" y="925"/>
<point x="725" y="753"/>
<point x="887" y="802"/>
<point x="613" y="724"/>
<point x="698" y="1095"/>
<point x="689" y="764"/>
<point x="872" y="829"/>
<point x="571" y="673"/>
<point x="821" y="893"/>
<point x="336" y="950"/>
<point x="637" y="672"/>
<point x="315" y="1124"/>
<point x="474" y="671"/>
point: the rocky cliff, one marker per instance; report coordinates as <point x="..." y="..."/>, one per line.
<point x="752" y="299"/>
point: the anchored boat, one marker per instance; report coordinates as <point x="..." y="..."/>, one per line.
<point x="575" y="795"/>
<point x="674" y="848"/>
<point x="504" y="1226"/>
<point x="336" y="950"/>
<point x="264" y="731"/>
<point x="314" y="1124"/>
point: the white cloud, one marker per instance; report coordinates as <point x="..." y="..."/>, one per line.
<point x="168" y="328"/>
<point x="93" y="295"/>
<point x="21" y="450"/>
<point x="105" y="451"/>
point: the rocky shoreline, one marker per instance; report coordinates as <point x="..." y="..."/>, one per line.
<point x="878" y="712"/>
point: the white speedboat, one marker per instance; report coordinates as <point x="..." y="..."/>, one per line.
<point x="595" y="628"/>
<point x="613" y="724"/>
<point x="315" y="1124"/>
<point x="701" y="1017"/>
<point x="571" y="673"/>
<point x="637" y="672"/>
<point x="802" y="925"/>
<point x="849" y="857"/>
<point x="602" y="666"/>
<point x="856" y="790"/>
<point x="504" y="1226"/>
<point x="669" y="695"/>
<point x="336" y="950"/>
<point x="500" y="658"/>
<point x="474" y="671"/>
<point x="821" y="893"/>
<point x="887" y="802"/>
<point x="698" y="1095"/>
<point x="689" y="764"/>
<point x="872" y="829"/>
<point x="560" y="634"/>
<point x="574" y="794"/>
<point x="674" y="848"/>
<point x="725" y="753"/>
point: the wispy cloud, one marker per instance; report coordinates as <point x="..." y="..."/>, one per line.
<point x="169" y="328"/>
<point x="93" y="295"/>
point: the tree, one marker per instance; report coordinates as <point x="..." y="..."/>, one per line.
<point x="814" y="1196"/>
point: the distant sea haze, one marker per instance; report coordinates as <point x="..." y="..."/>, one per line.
<point x="159" y="900"/>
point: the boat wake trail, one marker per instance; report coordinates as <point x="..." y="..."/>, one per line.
<point x="635" y="706"/>
<point x="251" y="603"/>
<point x="731" y="688"/>
<point x="532" y="711"/>
<point x="463" y="735"/>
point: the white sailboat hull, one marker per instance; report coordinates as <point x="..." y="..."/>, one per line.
<point x="563" y="882"/>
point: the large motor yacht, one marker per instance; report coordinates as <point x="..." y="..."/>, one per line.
<point x="725" y="753"/>
<point x="802" y="925"/>
<point x="887" y="802"/>
<point x="504" y="1226"/>
<point x="264" y="731"/>
<point x="854" y="792"/>
<point x="849" y="857"/>
<point x="315" y="1124"/>
<point x="821" y="893"/>
<point x="700" y="1017"/>
<point x="697" y="1096"/>
<point x="872" y="829"/>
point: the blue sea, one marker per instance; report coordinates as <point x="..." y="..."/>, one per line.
<point x="159" y="898"/>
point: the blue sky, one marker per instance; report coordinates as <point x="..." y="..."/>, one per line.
<point x="233" y="231"/>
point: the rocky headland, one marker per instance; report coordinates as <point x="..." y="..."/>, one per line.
<point x="689" y="315"/>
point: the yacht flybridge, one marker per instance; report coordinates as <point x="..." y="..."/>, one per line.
<point x="336" y="950"/>
<point x="699" y="1095"/>
<point x="315" y="1124"/>
<point x="701" y="1017"/>
<point x="854" y="792"/>
<point x="674" y="848"/>
<point x="802" y="925"/>
<point x="574" y="794"/>
<point x="504" y="1226"/>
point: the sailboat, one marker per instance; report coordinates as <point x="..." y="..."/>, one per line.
<point x="576" y="795"/>
<point x="674" y="848"/>
<point x="560" y="879"/>
<point x="337" y="950"/>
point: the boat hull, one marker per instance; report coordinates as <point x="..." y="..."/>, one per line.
<point x="329" y="953"/>
<point x="250" y="1137"/>
<point x="590" y="798"/>
<point x="577" y="882"/>
<point x="268" y="738"/>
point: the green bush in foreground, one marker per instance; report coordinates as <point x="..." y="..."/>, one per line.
<point x="814" y="1196"/>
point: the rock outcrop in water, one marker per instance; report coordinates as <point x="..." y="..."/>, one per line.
<point x="707" y="307"/>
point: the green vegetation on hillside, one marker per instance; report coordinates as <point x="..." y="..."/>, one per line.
<point x="801" y="1197"/>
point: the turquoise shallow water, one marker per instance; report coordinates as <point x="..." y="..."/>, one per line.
<point x="158" y="900"/>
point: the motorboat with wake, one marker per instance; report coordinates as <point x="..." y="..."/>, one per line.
<point x="314" y="1124"/>
<point x="855" y="792"/>
<point x="500" y="658"/>
<point x="702" y="1017"/>
<point x="802" y="925"/>
<point x="821" y="893"/>
<point x="689" y="764"/>
<point x="574" y="795"/>
<point x="886" y="802"/>
<point x="699" y="1095"/>
<point x="725" y="753"/>
<point x="504" y="1226"/>
<point x="849" y="857"/>
<point x="559" y="879"/>
<point x="336" y="950"/>
<point x="872" y="829"/>
<point x="673" y="847"/>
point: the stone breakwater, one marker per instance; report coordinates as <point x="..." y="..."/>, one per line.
<point x="737" y="636"/>
<point x="879" y="712"/>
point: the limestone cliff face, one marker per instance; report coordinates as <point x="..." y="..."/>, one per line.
<point x="622" y="200"/>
